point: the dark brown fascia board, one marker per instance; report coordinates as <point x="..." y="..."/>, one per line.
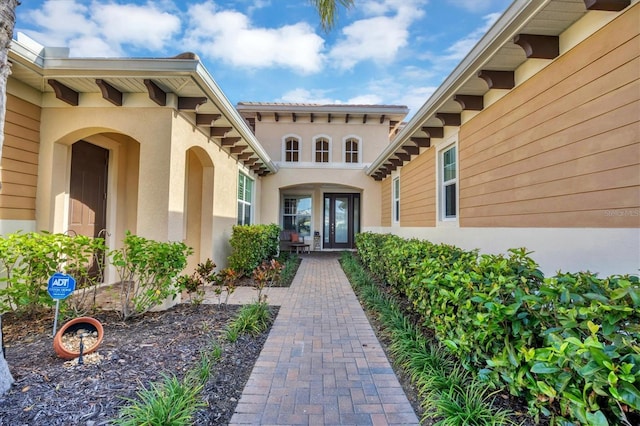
<point x="470" y="102"/>
<point x="219" y="131"/>
<point x="434" y="132"/>
<point x="64" y="93"/>
<point x="207" y="119"/>
<point x="191" y="103"/>
<point x="538" y="46"/>
<point x="230" y="141"/>
<point x="498" y="79"/>
<point x="607" y="5"/>
<point x="238" y="149"/>
<point x="109" y="92"/>
<point x="449" y="119"/>
<point x="421" y="142"/>
<point x="156" y="94"/>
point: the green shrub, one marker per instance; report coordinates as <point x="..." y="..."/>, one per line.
<point x="570" y="344"/>
<point x="252" y="319"/>
<point x="147" y="270"/>
<point x="252" y="244"/>
<point x="27" y="261"/>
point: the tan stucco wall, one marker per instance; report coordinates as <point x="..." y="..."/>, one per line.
<point x="563" y="148"/>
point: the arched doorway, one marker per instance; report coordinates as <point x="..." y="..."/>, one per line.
<point x="199" y="205"/>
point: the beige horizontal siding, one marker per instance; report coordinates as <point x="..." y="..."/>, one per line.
<point x="417" y="191"/>
<point x="385" y="217"/>
<point x="562" y="149"/>
<point x="20" y="160"/>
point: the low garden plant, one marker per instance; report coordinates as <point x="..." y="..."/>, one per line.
<point x="569" y="344"/>
<point x="147" y="270"/>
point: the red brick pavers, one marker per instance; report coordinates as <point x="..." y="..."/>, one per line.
<point x="322" y="363"/>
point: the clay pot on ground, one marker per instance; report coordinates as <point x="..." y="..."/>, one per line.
<point x="90" y="328"/>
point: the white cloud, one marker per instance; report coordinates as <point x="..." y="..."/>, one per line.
<point x="229" y="36"/>
<point x="380" y="37"/>
<point x="366" y="99"/>
<point x="461" y="47"/>
<point x="306" y="96"/>
<point x="140" y="26"/>
<point x="103" y="29"/>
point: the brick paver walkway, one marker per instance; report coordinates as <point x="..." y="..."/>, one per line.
<point x="322" y="363"/>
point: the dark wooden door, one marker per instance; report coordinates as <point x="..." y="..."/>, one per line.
<point x="88" y="189"/>
<point x="341" y="220"/>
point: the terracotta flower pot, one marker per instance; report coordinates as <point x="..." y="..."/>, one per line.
<point x="89" y="324"/>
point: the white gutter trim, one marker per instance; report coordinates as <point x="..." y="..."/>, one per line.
<point x="503" y="30"/>
<point x="231" y="114"/>
<point x="366" y="109"/>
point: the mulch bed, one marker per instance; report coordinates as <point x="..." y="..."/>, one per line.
<point x="51" y="391"/>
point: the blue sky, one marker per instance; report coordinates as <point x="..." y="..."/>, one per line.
<point x="380" y="52"/>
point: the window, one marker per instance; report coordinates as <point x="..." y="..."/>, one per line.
<point x="322" y="150"/>
<point x="449" y="180"/>
<point x="396" y="200"/>
<point x="245" y="197"/>
<point x="351" y="150"/>
<point x="291" y="150"/>
<point x="297" y="214"/>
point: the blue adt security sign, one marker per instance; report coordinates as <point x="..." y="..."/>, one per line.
<point x="61" y="286"/>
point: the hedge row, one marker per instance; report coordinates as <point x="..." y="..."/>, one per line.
<point x="569" y="344"/>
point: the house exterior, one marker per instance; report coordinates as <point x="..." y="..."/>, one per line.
<point x="321" y="191"/>
<point x="532" y="141"/>
<point x="105" y="146"/>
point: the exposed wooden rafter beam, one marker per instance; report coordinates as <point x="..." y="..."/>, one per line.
<point x="538" y="46"/>
<point x="470" y="102"/>
<point x="109" y="92"/>
<point x="276" y="116"/>
<point x="207" y="119"/>
<point x="230" y="141"/>
<point x="64" y="93"/>
<point x="382" y="117"/>
<point x="238" y="149"/>
<point x="346" y="118"/>
<point x="498" y="79"/>
<point x="244" y="155"/>
<point x="434" y="132"/>
<point x="219" y="131"/>
<point x="191" y="103"/>
<point x="259" y="116"/>
<point x="329" y="118"/>
<point x="403" y="156"/>
<point x="449" y="119"/>
<point x="421" y="142"/>
<point x="396" y="162"/>
<point x="364" y="119"/>
<point x="293" y="116"/>
<point x="156" y="94"/>
<point x="250" y="161"/>
<point x="607" y="5"/>
<point x="311" y="117"/>
<point x="410" y="149"/>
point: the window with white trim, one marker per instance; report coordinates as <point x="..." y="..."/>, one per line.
<point x="351" y="151"/>
<point x="448" y="183"/>
<point x="396" y="200"/>
<point x="245" y="197"/>
<point x="291" y="150"/>
<point x="297" y="214"/>
<point x="322" y="150"/>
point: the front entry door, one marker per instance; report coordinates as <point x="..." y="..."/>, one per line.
<point x="341" y="220"/>
<point x="88" y="191"/>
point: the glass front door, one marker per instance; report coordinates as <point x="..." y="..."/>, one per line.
<point x="341" y="220"/>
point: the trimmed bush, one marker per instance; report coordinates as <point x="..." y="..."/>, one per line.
<point x="251" y="245"/>
<point x="570" y="343"/>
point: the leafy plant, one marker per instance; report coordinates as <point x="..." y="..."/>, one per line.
<point x="251" y="245"/>
<point x="195" y="283"/>
<point x="252" y="319"/>
<point x="267" y="274"/>
<point x="27" y="261"/>
<point x="147" y="270"/>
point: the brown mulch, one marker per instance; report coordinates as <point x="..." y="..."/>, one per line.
<point x="48" y="391"/>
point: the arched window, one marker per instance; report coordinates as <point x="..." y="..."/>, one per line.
<point x="322" y="150"/>
<point x="292" y="149"/>
<point x="351" y="151"/>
